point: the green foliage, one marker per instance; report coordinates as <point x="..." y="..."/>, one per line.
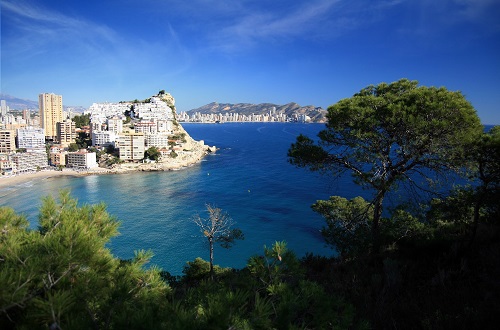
<point x="348" y="224"/>
<point x="389" y="132"/>
<point x="83" y="140"/>
<point x="63" y="275"/>
<point x="81" y="120"/>
<point x="271" y="293"/>
<point x="152" y="153"/>
<point x="73" y="147"/>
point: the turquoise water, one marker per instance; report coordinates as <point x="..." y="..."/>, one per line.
<point x="248" y="177"/>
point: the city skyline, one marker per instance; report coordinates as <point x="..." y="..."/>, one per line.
<point x="308" y="52"/>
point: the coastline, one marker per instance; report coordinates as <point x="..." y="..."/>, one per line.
<point x="170" y="164"/>
<point x="13" y="180"/>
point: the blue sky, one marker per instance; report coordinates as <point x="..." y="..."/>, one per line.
<point x="313" y="52"/>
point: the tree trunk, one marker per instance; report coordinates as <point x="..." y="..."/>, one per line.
<point x="377" y="214"/>
<point x="211" y="242"/>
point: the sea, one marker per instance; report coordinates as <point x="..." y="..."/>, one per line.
<point x="249" y="178"/>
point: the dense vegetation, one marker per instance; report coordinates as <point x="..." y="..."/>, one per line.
<point x="424" y="264"/>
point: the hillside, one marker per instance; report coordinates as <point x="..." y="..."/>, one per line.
<point x="317" y="114"/>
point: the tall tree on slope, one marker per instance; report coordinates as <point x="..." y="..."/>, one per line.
<point x="386" y="133"/>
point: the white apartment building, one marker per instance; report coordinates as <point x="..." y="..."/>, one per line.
<point x="6" y="165"/>
<point x="81" y="159"/>
<point x="107" y="109"/>
<point x="24" y="162"/>
<point x="156" y="109"/>
<point x="164" y="126"/>
<point x="31" y="139"/>
<point x="103" y="138"/>
<point x="131" y="146"/>
<point x="146" y="127"/>
<point x="115" y="124"/>
<point x="159" y="140"/>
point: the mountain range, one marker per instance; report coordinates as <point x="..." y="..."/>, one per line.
<point x="317" y="114"/>
<point x="15" y="103"/>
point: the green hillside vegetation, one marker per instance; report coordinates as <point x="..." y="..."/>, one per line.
<point x="424" y="264"/>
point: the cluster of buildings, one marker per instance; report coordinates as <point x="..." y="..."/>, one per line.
<point x="31" y="143"/>
<point x="152" y="126"/>
<point x="24" y="139"/>
<point x="271" y="116"/>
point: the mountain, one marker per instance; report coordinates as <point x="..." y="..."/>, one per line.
<point x="317" y="114"/>
<point x="15" y="103"/>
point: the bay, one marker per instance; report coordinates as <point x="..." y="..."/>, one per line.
<point x="248" y="177"/>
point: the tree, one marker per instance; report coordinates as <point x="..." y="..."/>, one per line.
<point x="82" y="120"/>
<point x="73" y="147"/>
<point x="386" y="134"/>
<point x="62" y="274"/>
<point x="347" y="223"/>
<point x="152" y="153"/>
<point x="217" y="228"/>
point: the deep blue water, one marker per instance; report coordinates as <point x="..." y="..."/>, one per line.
<point x="249" y="177"/>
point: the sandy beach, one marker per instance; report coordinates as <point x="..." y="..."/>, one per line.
<point x="7" y="181"/>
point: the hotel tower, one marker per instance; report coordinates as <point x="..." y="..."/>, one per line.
<point x="51" y="112"/>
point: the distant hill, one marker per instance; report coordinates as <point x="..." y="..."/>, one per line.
<point x="317" y="114"/>
<point x="15" y="103"/>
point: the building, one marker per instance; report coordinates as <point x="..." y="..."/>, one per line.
<point x="81" y="159"/>
<point x="7" y="141"/>
<point x="58" y="158"/>
<point x="146" y="127"/>
<point x="6" y="166"/>
<point x="156" y="140"/>
<point x="25" y="162"/>
<point x="51" y="113"/>
<point x="31" y="139"/>
<point x="26" y="115"/>
<point x="66" y="132"/>
<point x="115" y="124"/>
<point x="103" y="138"/>
<point x="4" y="108"/>
<point x="131" y="146"/>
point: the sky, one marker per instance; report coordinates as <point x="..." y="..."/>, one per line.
<point x="312" y="52"/>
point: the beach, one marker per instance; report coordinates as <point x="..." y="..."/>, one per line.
<point x="185" y="159"/>
<point x="12" y="180"/>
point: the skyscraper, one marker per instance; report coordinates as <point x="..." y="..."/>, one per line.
<point x="3" y="108"/>
<point x="51" y="109"/>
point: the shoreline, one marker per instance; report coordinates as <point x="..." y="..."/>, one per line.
<point x="170" y="165"/>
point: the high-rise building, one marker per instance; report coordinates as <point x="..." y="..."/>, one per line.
<point x="66" y="132"/>
<point x="4" y="108"/>
<point x="51" y="112"/>
<point x="131" y="146"/>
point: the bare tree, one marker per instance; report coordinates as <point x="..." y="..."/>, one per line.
<point x="217" y="228"/>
